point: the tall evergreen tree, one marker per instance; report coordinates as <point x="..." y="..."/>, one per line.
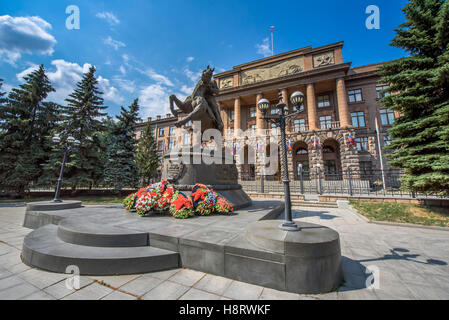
<point x="121" y="168"/>
<point x="83" y="122"/>
<point x="419" y="87"/>
<point x="26" y="122"/>
<point x="146" y="155"/>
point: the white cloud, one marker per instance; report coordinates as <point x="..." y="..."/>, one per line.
<point x="194" y="76"/>
<point x="125" y="58"/>
<point x="125" y="84"/>
<point x="190" y="59"/>
<point x="6" y="88"/>
<point x="20" y="35"/>
<point x="110" y="93"/>
<point x="109" y="17"/>
<point x="28" y="70"/>
<point x="154" y="100"/>
<point x="159" y="78"/>
<point x="264" y="48"/>
<point x="114" y="43"/>
<point x="122" y="70"/>
<point x="65" y="77"/>
<point x="187" y="90"/>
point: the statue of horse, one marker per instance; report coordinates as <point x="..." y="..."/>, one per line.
<point x="201" y="104"/>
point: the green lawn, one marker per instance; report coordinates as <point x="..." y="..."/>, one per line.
<point x="84" y="199"/>
<point x="401" y="212"/>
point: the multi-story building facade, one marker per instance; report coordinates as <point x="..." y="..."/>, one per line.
<point x="340" y="102"/>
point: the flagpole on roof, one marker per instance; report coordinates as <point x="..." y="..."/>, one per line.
<point x="272" y="42"/>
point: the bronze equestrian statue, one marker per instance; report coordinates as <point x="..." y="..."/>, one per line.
<point x="201" y="104"/>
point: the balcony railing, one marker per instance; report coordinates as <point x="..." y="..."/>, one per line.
<point x="329" y="125"/>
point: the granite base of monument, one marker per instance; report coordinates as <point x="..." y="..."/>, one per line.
<point x="189" y="167"/>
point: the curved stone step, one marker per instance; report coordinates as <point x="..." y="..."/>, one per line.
<point x="92" y="233"/>
<point x="43" y="249"/>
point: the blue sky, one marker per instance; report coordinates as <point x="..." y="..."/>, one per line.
<point x="150" y="49"/>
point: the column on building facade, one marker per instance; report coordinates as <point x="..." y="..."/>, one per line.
<point x="343" y="110"/>
<point x="311" y="107"/>
<point x="260" y="123"/>
<point x="237" y="115"/>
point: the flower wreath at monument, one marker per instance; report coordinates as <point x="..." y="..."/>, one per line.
<point x="161" y="197"/>
<point x="203" y="199"/>
<point x="181" y="206"/>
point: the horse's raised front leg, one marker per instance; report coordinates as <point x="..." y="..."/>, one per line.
<point x="185" y="106"/>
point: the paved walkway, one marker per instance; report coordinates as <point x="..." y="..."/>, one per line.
<point x="407" y="263"/>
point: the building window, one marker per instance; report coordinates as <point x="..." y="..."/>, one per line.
<point x="231" y="115"/>
<point x="252" y="112"/>
<point x="355" y="95"/>
<point x="300" y="125"/>
<point x="274" y="110"/>
<point x="161" y="132"/>
<point x="387" y="140"/>
<point x="386" y="117"/>
<point x="326" y="122"/>
<point x="160" y="145"/>
<point x="323" y="101"/>
<point x="172" y="130"/>
<point x="358" y="119"/>
<point x="362" y="143"/>
<point x="380" y="95"/>
<point x="187" y="139"/>
<point x="301" y="151"/>
<point x="170" y="143"/>
<point x="188" y="124"/>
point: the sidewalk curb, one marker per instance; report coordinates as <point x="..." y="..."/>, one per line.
<point x="354" y="211"/>
<point x="396" y="224"/>
<point x="409" y="225"/>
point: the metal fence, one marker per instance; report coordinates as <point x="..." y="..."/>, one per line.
<point x="349" y="182"/>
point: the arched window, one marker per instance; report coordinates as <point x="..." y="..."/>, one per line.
<point x="301" y="151"/>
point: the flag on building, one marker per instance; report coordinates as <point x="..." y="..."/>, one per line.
<point x="351" y="141"/>
<point x="289" y="145"/>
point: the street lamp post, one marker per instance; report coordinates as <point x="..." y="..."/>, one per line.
<point x="279" y="120"/>
<point x="68" y="146"/>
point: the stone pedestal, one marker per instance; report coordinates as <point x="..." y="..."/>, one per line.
<point x="312" y="256"/>
<point x="188" y="167"/>
<point x="36" y="212"/>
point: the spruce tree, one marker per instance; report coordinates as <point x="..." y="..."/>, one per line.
<point x="146" y="155"/>
<point x="419" y="87"/>
<point x="83" y="122"/>
<point x="121" y="168"/>
<point x="26" y="122"/>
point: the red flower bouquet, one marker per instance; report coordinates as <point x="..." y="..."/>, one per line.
<point x="128" y="202"/>
<point x="181" y="206"/>
<point x="166" y="198"/>
<point x="203" y="199"/>
<point x="223" y="206"/>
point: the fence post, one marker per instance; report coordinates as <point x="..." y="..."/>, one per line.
<point x="319" y="181"/>
<point x="301" y="181"/>
<point x="262" y="184"/>
<point x="350" y="181"/>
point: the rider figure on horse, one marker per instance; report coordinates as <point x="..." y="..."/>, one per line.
<point x="201" y="101"/>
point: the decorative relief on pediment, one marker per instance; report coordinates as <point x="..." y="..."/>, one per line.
<point x="324" y="59"/>
<point x="272" y="71"/>
<point x="226" y="83"/>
